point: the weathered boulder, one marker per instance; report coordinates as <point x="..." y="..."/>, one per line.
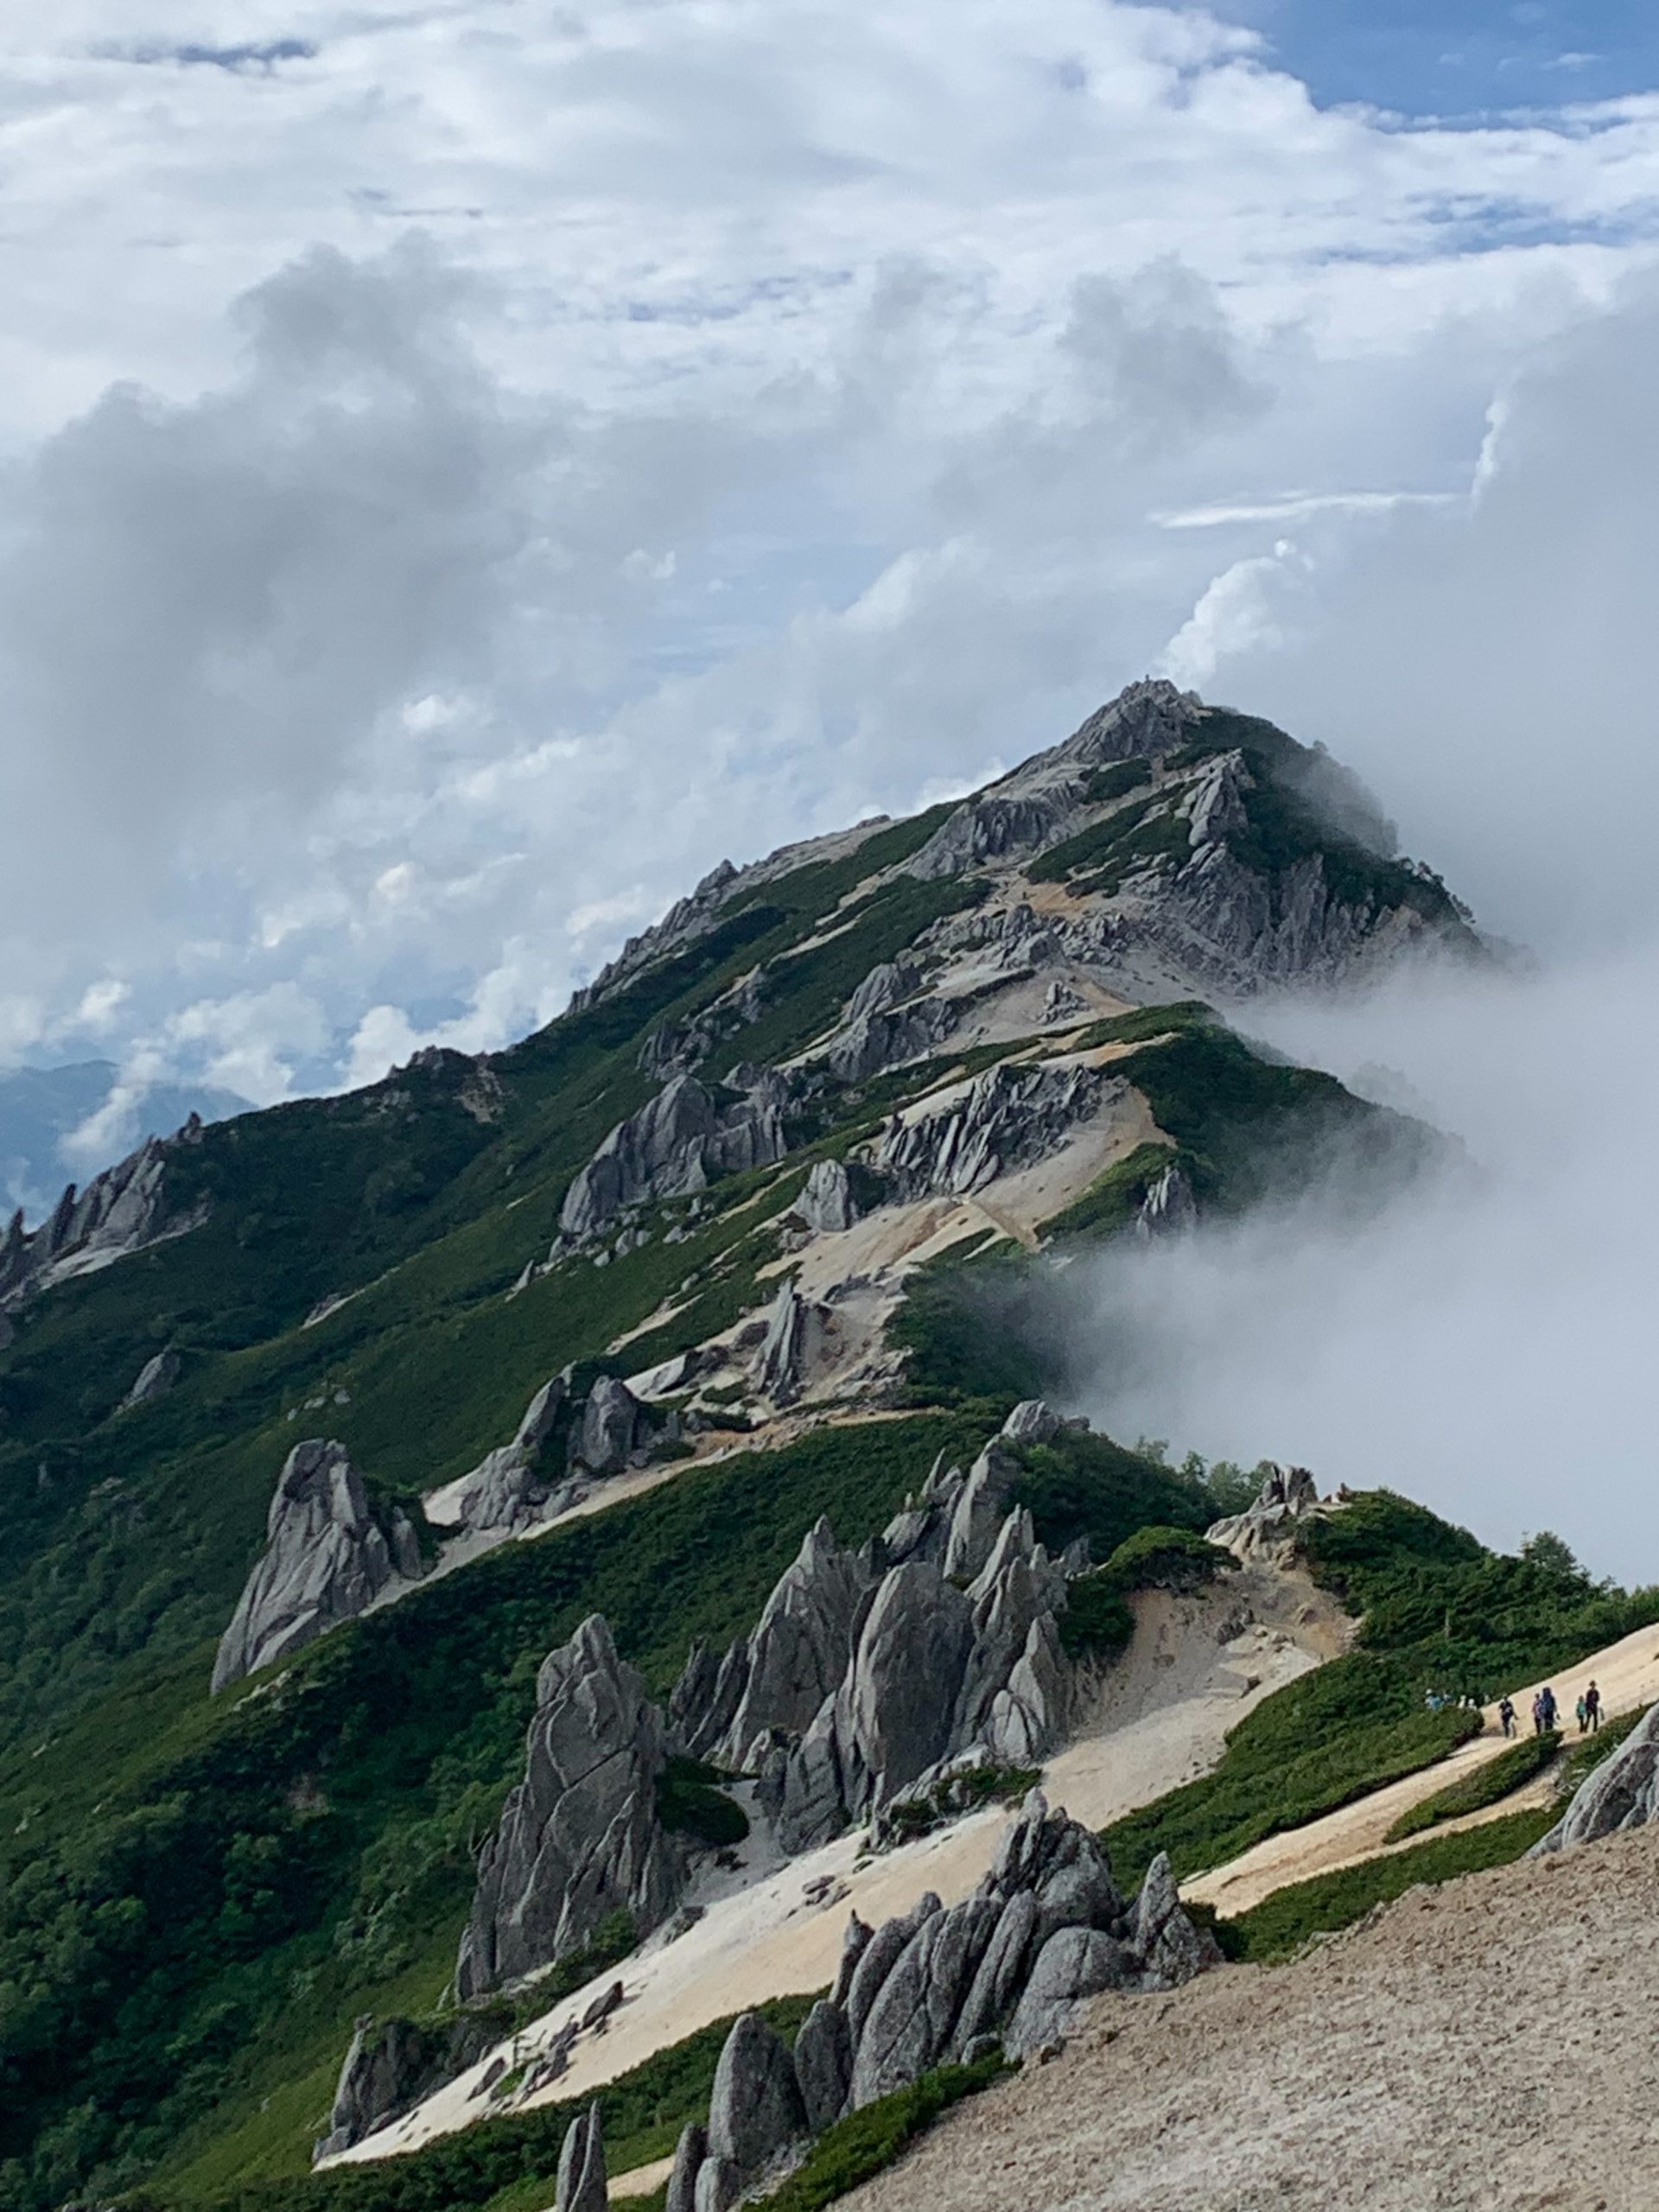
<point x="1074" y="1963"/>
<point x="823" y="2064"/>
<point x="719" y="2185"/>
<point x="1622" y="1792"/>
<point x="1034" y="1421"/>
<point x="978" y="1515"/>
<point x="156" y="1376"/>
<point x="510" y="1488"/>
<point x="579" y="1837"/>
<point x="581" y="2186"/>
<point x="688" y="2155"/>
<point x="756" y="2111"/>
<point x="390" y="2066"/>
<point x="798" y="1333"/>
<point x="386" y="2068"/>
<point x="826" y="1203"/>
<point x="327" y="1556"/>
<point x="1001" y="1973"/>
<point x="612" y="1427"/>
<point x="878" y="1039"/>
<point x="798" y="1651"/>
<point x="909" y="2023"/>
<point x="1169" y="1947"/>
<point x="877" y="1957"/>
<point x="898" y="1708"/>
<point x="1268" y="1528"/>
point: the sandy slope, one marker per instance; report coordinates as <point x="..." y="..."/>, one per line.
<point x="1195" y="1667"/>
<point x="1628" y="1673"/>
<point x="1483" y="2047"/>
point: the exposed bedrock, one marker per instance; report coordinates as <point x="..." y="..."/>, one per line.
<point x="826" y="1203"/>
<point x="1270" y="1526"/>
<point x="1622" y="1792"/>
<point x="120" y="1211"/>
<point x="579" y="1838"/>
<point x="327" y="1557"/>
<point x="1045" y="1929"/>
<point x="871" y="1673"/>
<point x="678" y="1143"/>
<point x="581" y="2185"/>
<point x="1007" y="1118"/>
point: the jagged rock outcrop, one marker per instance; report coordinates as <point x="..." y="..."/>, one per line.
<point x="511" y="1489"/>
<point x="886" y="1036"/>
<point x="390" y="2066"/>
<point x="1034" y="1421"/>
<point x="678" y="1143"/>
<point x="614" y="1427"/>
<point x="1025" y="809"/>
<point x="1268" y="1528"/>
<point x="1007" y="1118"/>
<point x="385" y="2069"/>
<point x="690" y="2152"/>
<point x="120" y="1211"/>
<point x="871" y="1673"/>
<point x="823" y="2064"/>
<point x="778" y="1679"/>
<point x="579" y="1838"/>
<point x="756" y="2110"/>
<point x="154" y="1379"/>
<point x="581" y="2186"/>
<point x="1046" y="1929"/>
<point x="327" y="1557"/>
<point x="1074" y="1963"/>
<point x="799" y="1334"/>
<point x="826" y="1203"/>
<point x="1168" y="1204"/>
<point x="1622" y="1792"/>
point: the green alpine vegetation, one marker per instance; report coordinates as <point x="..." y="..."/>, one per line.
<point x="199" y="1895"/>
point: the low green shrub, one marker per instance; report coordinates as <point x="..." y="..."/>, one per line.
<point x="1489" y="1783"/>
<point x="690" y="1801"/>
<point x="1282" y="1922"/>
<point x="868" y="2140"/>
<point x="1588" y="1752"/>
<point x="642" y="2112"/>
<point x="1335" y="1734"/>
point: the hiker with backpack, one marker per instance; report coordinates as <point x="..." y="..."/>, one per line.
<point x="1592" y="1702"/>
<point x="1543" y="1711"/>
<point x="1506" y="1715"/>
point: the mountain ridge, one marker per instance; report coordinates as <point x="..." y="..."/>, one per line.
<point x="756" y="1232"/>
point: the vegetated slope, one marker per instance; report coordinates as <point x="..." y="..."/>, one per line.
<point x="199" y="1896"/>
<point x="1440" y="1613"/>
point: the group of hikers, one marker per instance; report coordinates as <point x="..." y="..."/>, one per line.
<point x="1587" y="1710"/>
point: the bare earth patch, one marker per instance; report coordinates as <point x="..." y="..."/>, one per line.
<point x="1483" y="2047"/>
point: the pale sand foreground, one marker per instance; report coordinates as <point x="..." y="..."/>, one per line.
<point x="1485" y="2047"/>
<point x="1163" y="1715"/>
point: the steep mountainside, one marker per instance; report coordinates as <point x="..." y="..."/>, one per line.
<point x="503" y="1395"/>
<point x="39" y="1107"/>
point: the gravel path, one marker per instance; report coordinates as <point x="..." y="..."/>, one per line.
<point x="1485" y="2047"/>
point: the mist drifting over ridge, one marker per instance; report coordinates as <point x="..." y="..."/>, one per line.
<point x="1485" y="1340"/>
